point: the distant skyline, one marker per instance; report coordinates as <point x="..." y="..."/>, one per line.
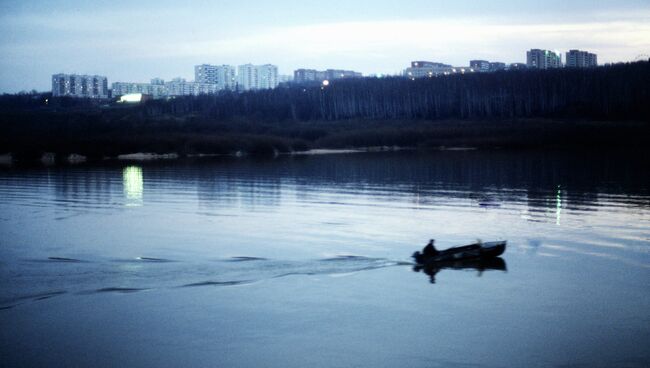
<point x="135" y="41"/>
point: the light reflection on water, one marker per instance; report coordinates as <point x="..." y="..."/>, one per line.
<point x="578" y="231"/>
<point x="558" y="207"/>
<point x="133" y="185"/>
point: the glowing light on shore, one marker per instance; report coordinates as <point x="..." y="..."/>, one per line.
<point x="131" y="98"/>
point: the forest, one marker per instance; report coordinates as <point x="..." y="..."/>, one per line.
<point x="607" y="105"/>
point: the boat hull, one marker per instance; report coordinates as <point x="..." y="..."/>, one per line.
<point x="473" y="251"/>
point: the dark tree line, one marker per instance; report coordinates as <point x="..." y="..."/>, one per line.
<point x="604" y="106"/>
<point x="610" y="92"/>
<point x="613" y="92"/>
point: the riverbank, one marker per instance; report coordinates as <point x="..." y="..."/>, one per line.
<point x="168" y="139"/>
<point x="50" y="158"/>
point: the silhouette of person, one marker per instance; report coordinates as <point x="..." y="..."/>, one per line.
<point x="430" y="249"/>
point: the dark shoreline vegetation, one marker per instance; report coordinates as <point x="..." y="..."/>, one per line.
<point x="570" y="108"/>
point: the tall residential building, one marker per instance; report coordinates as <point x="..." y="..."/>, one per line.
<point x="247" y="77"/>
<point x="80" y="86"/>
<point x="268" y="76"/>
<point x="581" y="59"/>
<point x="482" y="66"/>
<point x="251" y="77"/>
<point x="221" y="75"/>
<point x="543" y="59"/>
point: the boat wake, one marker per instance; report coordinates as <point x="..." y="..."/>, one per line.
<point x="34" y="280"/>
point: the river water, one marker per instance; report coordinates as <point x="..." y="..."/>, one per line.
<point x="304" y="261"/>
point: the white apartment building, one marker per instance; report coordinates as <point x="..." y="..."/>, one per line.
<point x="158" y="88"/>
<point x="209" y="79"/>
<point x="221" y="75"/>
<point x="125" y="88"/>
<point x="312" y="75"/>
<point x="79" y="86"/>
<point x="252" y="77"/>
<point x="482" y="66"/>
<point x="423" y="69"/>
<point x="581" y="59"/>
<point x="247" y="77"/>
<point x="181" y="87"/>
<point x="543" y="59"/>
<point x="155" y="89"/>
<point x="268" y="76"/>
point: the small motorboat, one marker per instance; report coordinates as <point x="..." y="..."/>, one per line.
<point x="478" y="250"/>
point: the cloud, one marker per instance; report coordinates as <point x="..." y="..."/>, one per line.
<point x="457" y="40"/>
<point x="162" y="42"/>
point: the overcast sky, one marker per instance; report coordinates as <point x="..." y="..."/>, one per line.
<point x="141" y="39"/>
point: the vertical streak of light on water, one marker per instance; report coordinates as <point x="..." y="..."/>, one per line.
<point x="558" y="205"/>
<point x="133" y="185"/>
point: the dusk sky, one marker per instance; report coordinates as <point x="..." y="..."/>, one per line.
<point x="135" y="41"/>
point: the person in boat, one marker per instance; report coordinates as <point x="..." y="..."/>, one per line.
<point x="430" y="249"/>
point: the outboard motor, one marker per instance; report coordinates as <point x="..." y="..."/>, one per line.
<point x="418" y="257"/>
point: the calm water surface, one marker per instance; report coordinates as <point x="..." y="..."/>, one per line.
<point x="304" y="262"/>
